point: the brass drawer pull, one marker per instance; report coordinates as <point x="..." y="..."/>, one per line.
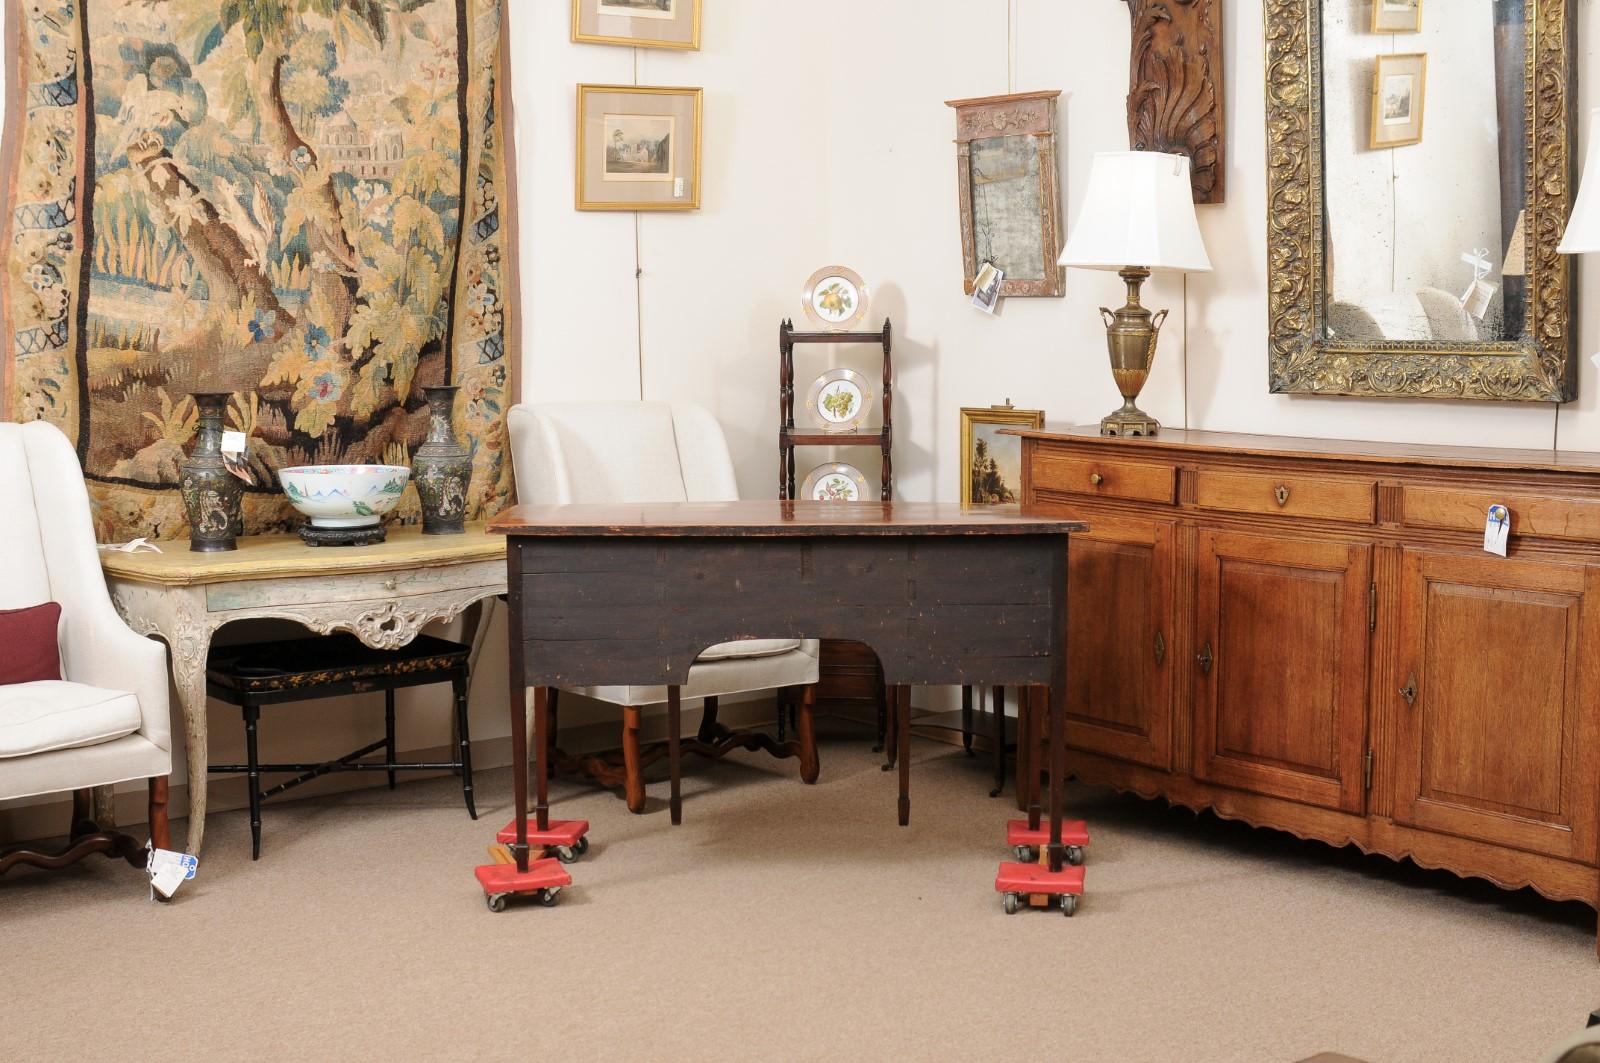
<point x="1281" y="493"/>
<point x="1096" y="479"/>
<point x="1205" y="658"/>
<point x="1409" y="692"/>
<point x="1161" y="648"/>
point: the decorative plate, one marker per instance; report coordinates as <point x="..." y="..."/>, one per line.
<point x="834" y="482"/>
<point x="839" y="399"/>
<point x="835" y="298"/>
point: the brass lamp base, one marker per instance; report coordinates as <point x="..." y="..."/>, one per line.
<point x="1131" y="335"/>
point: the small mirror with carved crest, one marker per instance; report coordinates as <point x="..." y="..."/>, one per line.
<point x="1419" y="177"/>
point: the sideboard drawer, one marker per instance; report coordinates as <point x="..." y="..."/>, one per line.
<point x="1538" y="516"/>
<point x="1143" y="481"/>
<point x="1296" y="496"/>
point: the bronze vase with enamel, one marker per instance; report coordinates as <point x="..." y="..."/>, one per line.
<point x="1131" y="335"/>
<point x="212" y="496"/>
<point x="442" y="468"/>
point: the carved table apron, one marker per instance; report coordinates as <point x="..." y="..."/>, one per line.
<point x="613" y="595"/>
<point x="385" y="594"/>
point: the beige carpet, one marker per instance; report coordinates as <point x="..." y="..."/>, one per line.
<point x="781" y="922"/>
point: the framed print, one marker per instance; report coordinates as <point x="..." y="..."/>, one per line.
<point x="638" y="148"/>
<point x="1399" y="95"/>
<point x="1009" y="192"/>
<point x="991" y="463"/>
<point x="638" y="23"/>
<point x="1396" y="16"/>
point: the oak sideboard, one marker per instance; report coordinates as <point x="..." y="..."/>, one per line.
<point x="1308" y="635"/>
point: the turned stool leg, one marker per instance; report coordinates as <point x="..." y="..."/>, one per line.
<point x="389" y="748"/>
<point x="675" y="750"/>
<point x="810" y="766"/>
<point x="632" y="763"/>
<point x="253" y="775"/>
<point x="464" y="750"/>
<point x="709" y="724"/>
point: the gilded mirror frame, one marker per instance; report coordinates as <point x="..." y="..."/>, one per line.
<point x="1540" y="366"/>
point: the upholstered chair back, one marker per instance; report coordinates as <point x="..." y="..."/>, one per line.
<point x="601" y="452"/>
<point x="48" y="554"/>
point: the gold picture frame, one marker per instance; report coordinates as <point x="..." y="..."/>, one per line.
<point x="638" y="148"/>
<point x="649" y="27"/>
<point x="1540" y="364"/>
<point x="1396" y="16"/>
<point x="1399" y="100"/>
<point x="1005" y="467"/>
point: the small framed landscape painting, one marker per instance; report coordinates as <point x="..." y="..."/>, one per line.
<point x="638" y="148"/>
<point x="1399" y="96"/>
<point x="638" y="23"/>
<point x="1396" y="16"/>
<point x="991" y="463"/>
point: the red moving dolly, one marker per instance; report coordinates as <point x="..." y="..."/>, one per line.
<point x="512" y="872"/>
<point x="1058" y="872"/>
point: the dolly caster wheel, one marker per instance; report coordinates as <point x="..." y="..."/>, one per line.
<point x="565" y="853"/>
<point x="583" y="845"/>
<point x="496" y="902"/>
<point x="1075" y="855"/>
<point x="1069" y="904"/>
<point x="1011" y="902"/>
<point x="549" y="896"/>
<point x="1026" y="854"/>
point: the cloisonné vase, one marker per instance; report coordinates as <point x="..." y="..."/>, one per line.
<point x="212" y="496"/>
<point x="442" y="467"/>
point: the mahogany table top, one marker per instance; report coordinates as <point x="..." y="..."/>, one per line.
<point x="771" y="518"/>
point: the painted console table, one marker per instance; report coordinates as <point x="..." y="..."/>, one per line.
<point x="385" y="594"/>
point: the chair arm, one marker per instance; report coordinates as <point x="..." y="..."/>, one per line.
<point x="101" y="651"/>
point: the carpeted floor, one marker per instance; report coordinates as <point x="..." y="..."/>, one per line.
<point x="781" y="922"/>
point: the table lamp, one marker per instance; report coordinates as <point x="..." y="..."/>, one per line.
<point x="1583" y="228"/>
<point x="1138" y="216"/>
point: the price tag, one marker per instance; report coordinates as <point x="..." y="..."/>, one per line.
<point x="677" y="188"/>
<point x="1497" y="530"/>
<point x="1478" y="298"/>
<point x="233" y="442"/>
<point x="169" y="870"/>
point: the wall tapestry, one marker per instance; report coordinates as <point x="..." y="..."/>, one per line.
<point x="297" y="201"/>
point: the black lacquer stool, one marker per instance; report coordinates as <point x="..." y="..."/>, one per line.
<point x="264" y="674"/>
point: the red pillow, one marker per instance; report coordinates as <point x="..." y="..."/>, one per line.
<point x="28" y="648"/>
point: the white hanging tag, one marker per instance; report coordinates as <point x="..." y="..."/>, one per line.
<point x="1478" y="299"/>
<point x="1497" y="530"/>
<point x="169" y="870"/>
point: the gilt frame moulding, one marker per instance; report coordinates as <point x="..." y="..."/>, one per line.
<point x="1539" y="366"/>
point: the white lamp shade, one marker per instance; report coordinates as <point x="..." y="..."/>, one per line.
<point x="1139" y="211"/>
<point x="1583" y="228"/>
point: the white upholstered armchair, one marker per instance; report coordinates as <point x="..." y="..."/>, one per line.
<point x="607" y="452"/>
<point x="106" y="719"/>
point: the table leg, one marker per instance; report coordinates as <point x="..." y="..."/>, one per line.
<point x="891" y="742"/>
<point x="519" y="758"/>
<point x="1058" y="769"/>
<point x="675" y="750"/>
<point x="189" y="647"/>
<point x="902" y="728"/>
<point x="1029" y="787"/>
<point x="966" y="718"/>
<point x="541" y="754"/>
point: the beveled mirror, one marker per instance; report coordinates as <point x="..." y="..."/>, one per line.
<point x="1419" y="176"/>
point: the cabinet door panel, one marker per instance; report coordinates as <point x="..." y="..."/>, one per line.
<point x="1498" y="740"/>
<point x="1119" y="589"/>
<point x="1282" y="709"/>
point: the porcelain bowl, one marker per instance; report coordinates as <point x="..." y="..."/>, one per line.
<point x="344" y="496"/>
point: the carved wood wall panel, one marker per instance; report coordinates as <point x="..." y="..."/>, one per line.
<point x="1175" y="87"/>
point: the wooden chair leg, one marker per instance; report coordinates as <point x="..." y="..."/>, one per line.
<point x="675" y="751"/>
<point x="810" y="766"/>
<point x="902" y="732"/>
<point x="998" y="739"/>
<point x="160" y="831"/>
<point x="966" y="719"/>
<point x="709" y="724"/>
<point x="633" y="765"/>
